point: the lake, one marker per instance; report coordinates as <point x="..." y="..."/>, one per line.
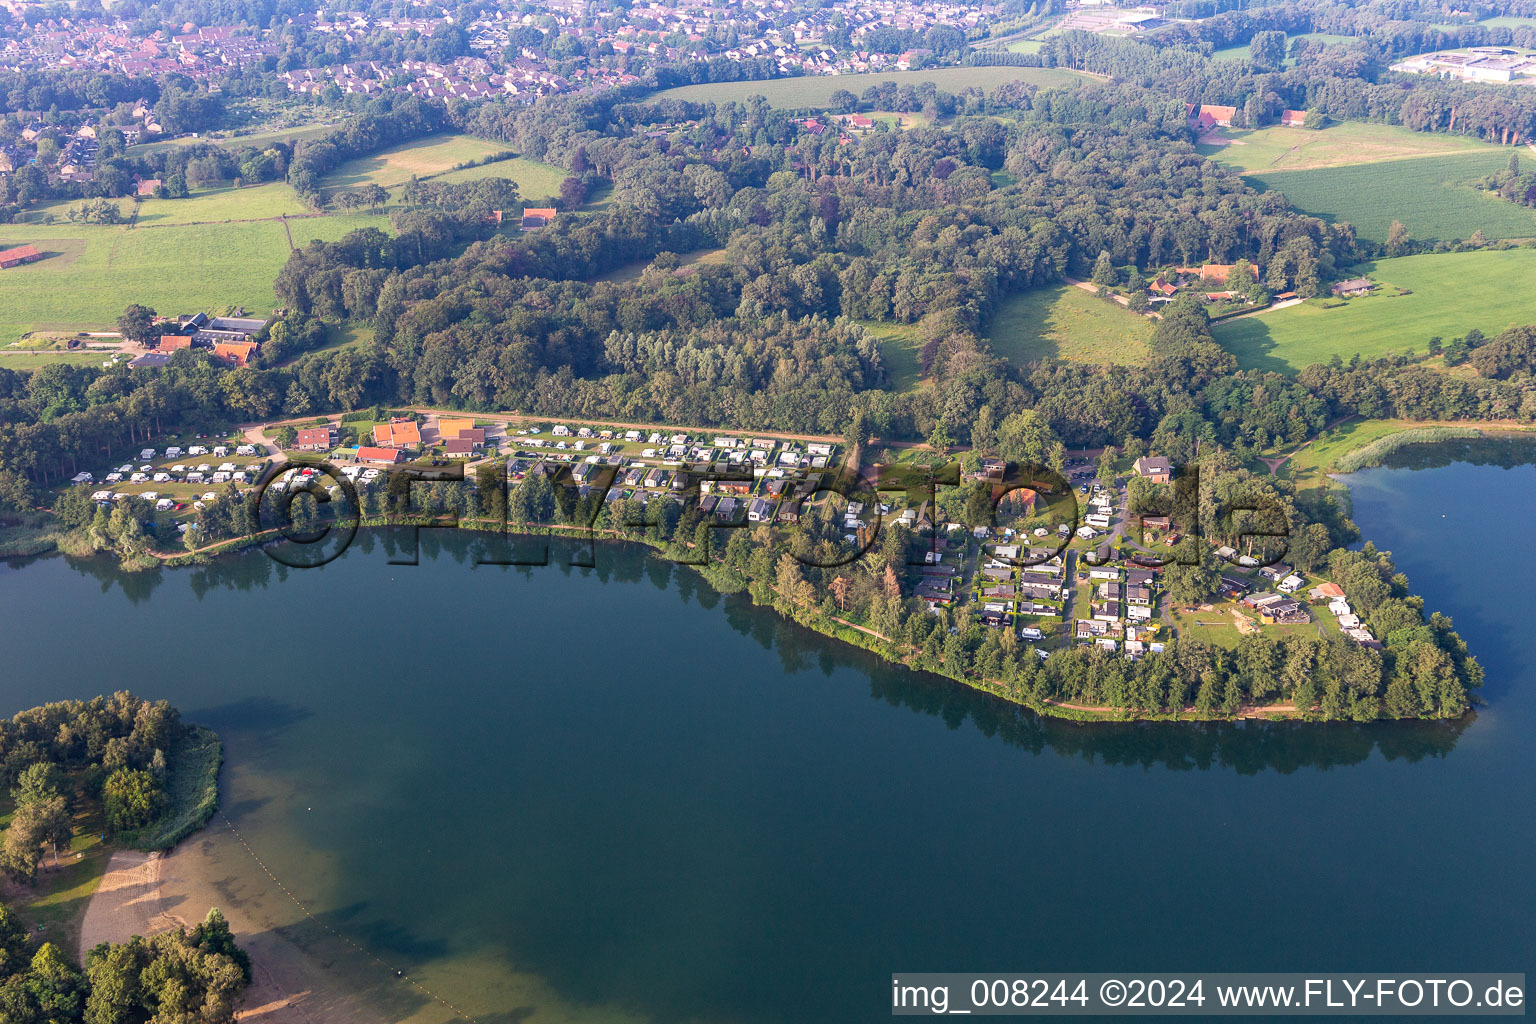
<point x="559" y="794"/>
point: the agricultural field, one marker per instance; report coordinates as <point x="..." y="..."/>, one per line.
<point x="95" y="271"/>
<point x="1279" y="148"/>
<point x="92" y="271"/>
<point x="1069" y="323"/>
<point x="1450" y="293"/>
<point x="1436" y="198"/>
<point x="817" y="90"/>
<point x="1026" y="45"/>
<point x="422" y="158"/>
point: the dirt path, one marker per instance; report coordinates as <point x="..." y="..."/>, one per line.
<point x="1274" y="464"/>
<point x="1267" y="309"/>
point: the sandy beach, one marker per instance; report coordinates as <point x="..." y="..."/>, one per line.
<point x="142" y="894"/>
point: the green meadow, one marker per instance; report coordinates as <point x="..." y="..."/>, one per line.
<point x="1449" y="294"/>
<point x="1068" y="322"/>
<point x="817" y="90"/>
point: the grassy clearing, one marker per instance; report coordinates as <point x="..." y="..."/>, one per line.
<point x="535" y="180"/>
<point x="631" y="271"/>
<point x="1436" y="198"/>
<point x="1279" y="148"/>
<point x="421" y="158"/>
<point x="1242" y="52"/>
<point x="817" y="90"/>
<point x="55" y="908"/>
<point x="900" y="349"/>
<point x="1068" y="323"/>
<point x="1451" y="293"/>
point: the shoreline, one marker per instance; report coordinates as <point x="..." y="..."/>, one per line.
<point x="148" y="893"/>
<point x="841" y="630"/>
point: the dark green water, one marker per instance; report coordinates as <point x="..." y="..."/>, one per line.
<point x="620" y="792"/>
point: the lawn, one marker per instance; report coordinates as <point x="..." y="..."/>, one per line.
<point x="1436" y="198"/>
<point x="1067" y="322"/>
<point x="1451" y="293"/>
<point x="900" y="350"/>
<point x="1279" y="148"/>
<point x="422" y="158"/>
<point x="817" y="90"/>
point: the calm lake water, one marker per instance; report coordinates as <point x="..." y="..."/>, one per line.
<point x="580" y="794"/>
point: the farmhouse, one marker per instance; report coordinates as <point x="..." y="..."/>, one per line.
<point x="237" y="352"/>
<point x="1354" y="286"/>
<point x="381" y="456"/>
<point x="315" y="439"/>
<point x="1219" y="272"/>
<point x="172" y="342"/>
<point x="1293" y="118"/>
<point x="450" y="428"/>
<point x="1155" y="468"/>
<point x="537" y="216"/>
<point x="1216" y="115"/>
<point x="397" y="433"/>
<point x="147" y="186"/>
<point x="19" y="255"/>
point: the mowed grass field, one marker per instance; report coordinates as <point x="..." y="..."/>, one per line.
<point x="1450" y="294"/>
<point x="421" y="158"/>
<point x="434" y="156"/>
<point x="1067" y="322"/>
<point x="256" y="202"/>
<point x="1278" y="148"/>
<point x="817" y="90"/>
